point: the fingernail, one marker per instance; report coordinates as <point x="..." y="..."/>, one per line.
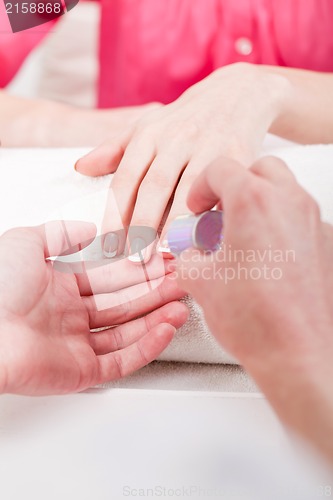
<point x="110" y="246"/>
<point x="138" y="248"/>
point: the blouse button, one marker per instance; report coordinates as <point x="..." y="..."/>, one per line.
<point x="244" y="46"/>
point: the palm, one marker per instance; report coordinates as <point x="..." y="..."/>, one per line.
<point x="47" y="341"/>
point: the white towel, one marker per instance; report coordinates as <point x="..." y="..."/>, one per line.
<point x="40" y="184"/>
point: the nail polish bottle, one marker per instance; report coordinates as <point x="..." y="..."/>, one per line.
<point x="203" y="231"/>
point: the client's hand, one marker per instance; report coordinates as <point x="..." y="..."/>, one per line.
<point x="267" y="294"/>
<point x="39" y="122"/>
<point x="47" y="311"/>
<point x="227" y="113"/>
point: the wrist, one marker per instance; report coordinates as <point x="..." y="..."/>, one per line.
<point x="258" y="97"/>
<point x="283" y="96"/>
<point x="266" y="86"/>
<point x="275" y="91"/>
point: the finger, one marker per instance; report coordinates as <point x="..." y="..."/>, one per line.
<point x="115" y="275"/>
<point x="124" y="305"/>
<point x="123" y="192"/>
<point x="194" y="168"/>
<point x="113" y="242"/>
<point x="274" y="170"/>
<point x="103" y="160"/>
<point x="121" y="363"/>
<point x="122" y="336"/>
<point x="207" y="190"/>
<point x="65" y="237"/>
<point x="153" y="196"/>
<point x="194" y="272"/>
<point x="179" y="204"/>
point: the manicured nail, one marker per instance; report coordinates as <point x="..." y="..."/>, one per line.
<point x="110" y="246"/>
<point x="138" y="248"/>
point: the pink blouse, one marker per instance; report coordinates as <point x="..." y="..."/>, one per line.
<point x="152" y="50"/>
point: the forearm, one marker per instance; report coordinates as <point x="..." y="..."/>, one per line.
<point x="302" y="396"/>
<point x="42" y="123"/>
<point x="306" y="111"/>
<point x="31" y="122"/>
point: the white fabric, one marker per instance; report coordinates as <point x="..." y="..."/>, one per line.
<point x="70" y="58"/>
<point x="131" y="443"/>
<point x="64" y="66"/>
<point x="39" y="185"/>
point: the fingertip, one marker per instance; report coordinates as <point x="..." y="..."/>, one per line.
<point x="156" y="340"/>
<point x="139" y="258"/>
<point x="172" y="288"/>
<point x="83" y="164"/>
<point x="140" y="252"/>
<point x="166" y="332"/>
<point x="100" y="161"/>
<point x="176" y="314"/>
<point x="199" y="199"/>
<point x="183" y="313"/>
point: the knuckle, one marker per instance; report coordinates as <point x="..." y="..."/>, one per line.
<point x="118" y="339"/>
<point x="126" y="307"/>
<point x="150" y="118"/>
<point x="249" y="194"/>
<point x="142" y="356"/>
<point x="183" y="130"/>
<point x="272" y="164"/>
<point x="87" y="377"/>
<point x="155" y="181"/>
<point x="257" y="194"/>
<point x="122" y="313"/>
<point x="119" y="367"/>
<point x="161" y="292"/>
<point x="190" y="178"/>
<point x="309" y="205"/>
<point x="266" y="163"/>
<point x="123" y="179"/>
<point x="146" y="130"/>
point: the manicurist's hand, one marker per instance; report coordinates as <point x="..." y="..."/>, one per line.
<point x="267" y="295"/>
<point x="47" y="309"/>
<point x="227" y="113"/>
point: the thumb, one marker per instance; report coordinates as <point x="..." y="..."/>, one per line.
<point x="103" y="160"/>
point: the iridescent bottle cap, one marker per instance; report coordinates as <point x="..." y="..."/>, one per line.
<point x="203" y="232"/>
